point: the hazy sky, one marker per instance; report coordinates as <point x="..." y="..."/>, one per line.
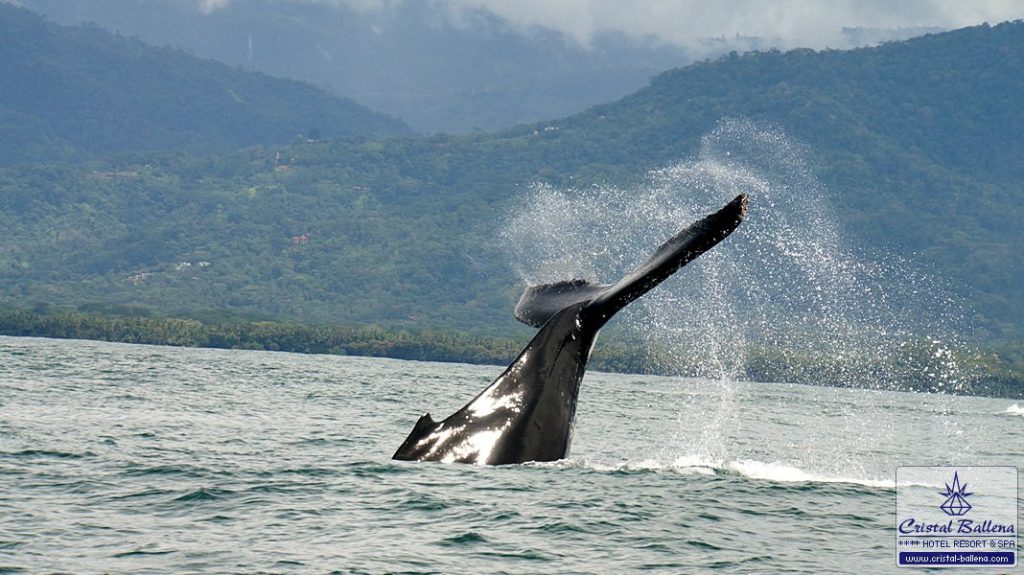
<point x="786" y="23"/>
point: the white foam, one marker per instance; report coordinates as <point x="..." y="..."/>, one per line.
<point x="781" y="472"/>
<point x="1014" y="410"/>
<point x="749" y="468"/>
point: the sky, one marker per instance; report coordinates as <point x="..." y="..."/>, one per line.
<point x="783" y="23"/>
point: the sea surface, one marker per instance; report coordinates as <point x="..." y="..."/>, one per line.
<point x="142" y="459"/>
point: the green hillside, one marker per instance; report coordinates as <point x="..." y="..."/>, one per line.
<point x="919" y="142"/>
<point x="73" y="93"/>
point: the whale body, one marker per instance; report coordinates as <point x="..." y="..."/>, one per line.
<point x="527" y="414"/>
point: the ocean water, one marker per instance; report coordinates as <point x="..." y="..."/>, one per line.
<point x="142" y="459"/>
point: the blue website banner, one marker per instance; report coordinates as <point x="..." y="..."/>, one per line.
<point x="945" y="558"/>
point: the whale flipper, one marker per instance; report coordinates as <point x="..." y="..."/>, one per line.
<point x="527" y="414"/>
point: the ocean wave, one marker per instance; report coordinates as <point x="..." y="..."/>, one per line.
<point x="45" y="453"/>
<point x="203" y="494"/>
<point x="1014" y="410"/>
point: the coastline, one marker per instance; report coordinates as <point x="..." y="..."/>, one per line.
<point x="993" y="377"/>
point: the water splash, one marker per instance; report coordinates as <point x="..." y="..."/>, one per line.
<point x="786" y="298"/>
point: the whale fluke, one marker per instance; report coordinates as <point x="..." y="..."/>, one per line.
<point x="527" y="414"/>
<point x="539" y="303"/>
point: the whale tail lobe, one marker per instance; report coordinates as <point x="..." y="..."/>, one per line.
<point x="539" y="303"/>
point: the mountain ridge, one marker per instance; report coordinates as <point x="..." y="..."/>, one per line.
<point x="80" y="93"/>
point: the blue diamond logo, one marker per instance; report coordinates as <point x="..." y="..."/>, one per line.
<point x="956" y="498"/>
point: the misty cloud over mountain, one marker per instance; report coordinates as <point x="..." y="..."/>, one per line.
<point x="467" y="65"/>
<point x="688" y="23"/>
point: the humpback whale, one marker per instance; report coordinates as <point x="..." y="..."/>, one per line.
<point x="527" y="414"/>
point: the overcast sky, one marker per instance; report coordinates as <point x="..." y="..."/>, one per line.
<point x="785" y="23"/>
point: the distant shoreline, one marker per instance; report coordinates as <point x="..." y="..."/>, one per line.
<point x="369" y="341"/>
<point x="995" y="378"/>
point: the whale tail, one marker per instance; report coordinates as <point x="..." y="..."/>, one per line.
<point x="539" y="303"/>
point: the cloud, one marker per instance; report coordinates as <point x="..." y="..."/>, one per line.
<point x="209" y="6"/>
<point x="781" y="23"/>
<point x="793" y="23"/>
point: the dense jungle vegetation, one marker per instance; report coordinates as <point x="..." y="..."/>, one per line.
<point x="1000" y="374"/>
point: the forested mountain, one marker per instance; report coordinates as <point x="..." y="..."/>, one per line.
<point x="73" y="93"/>
<point x="920" y="143"/>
